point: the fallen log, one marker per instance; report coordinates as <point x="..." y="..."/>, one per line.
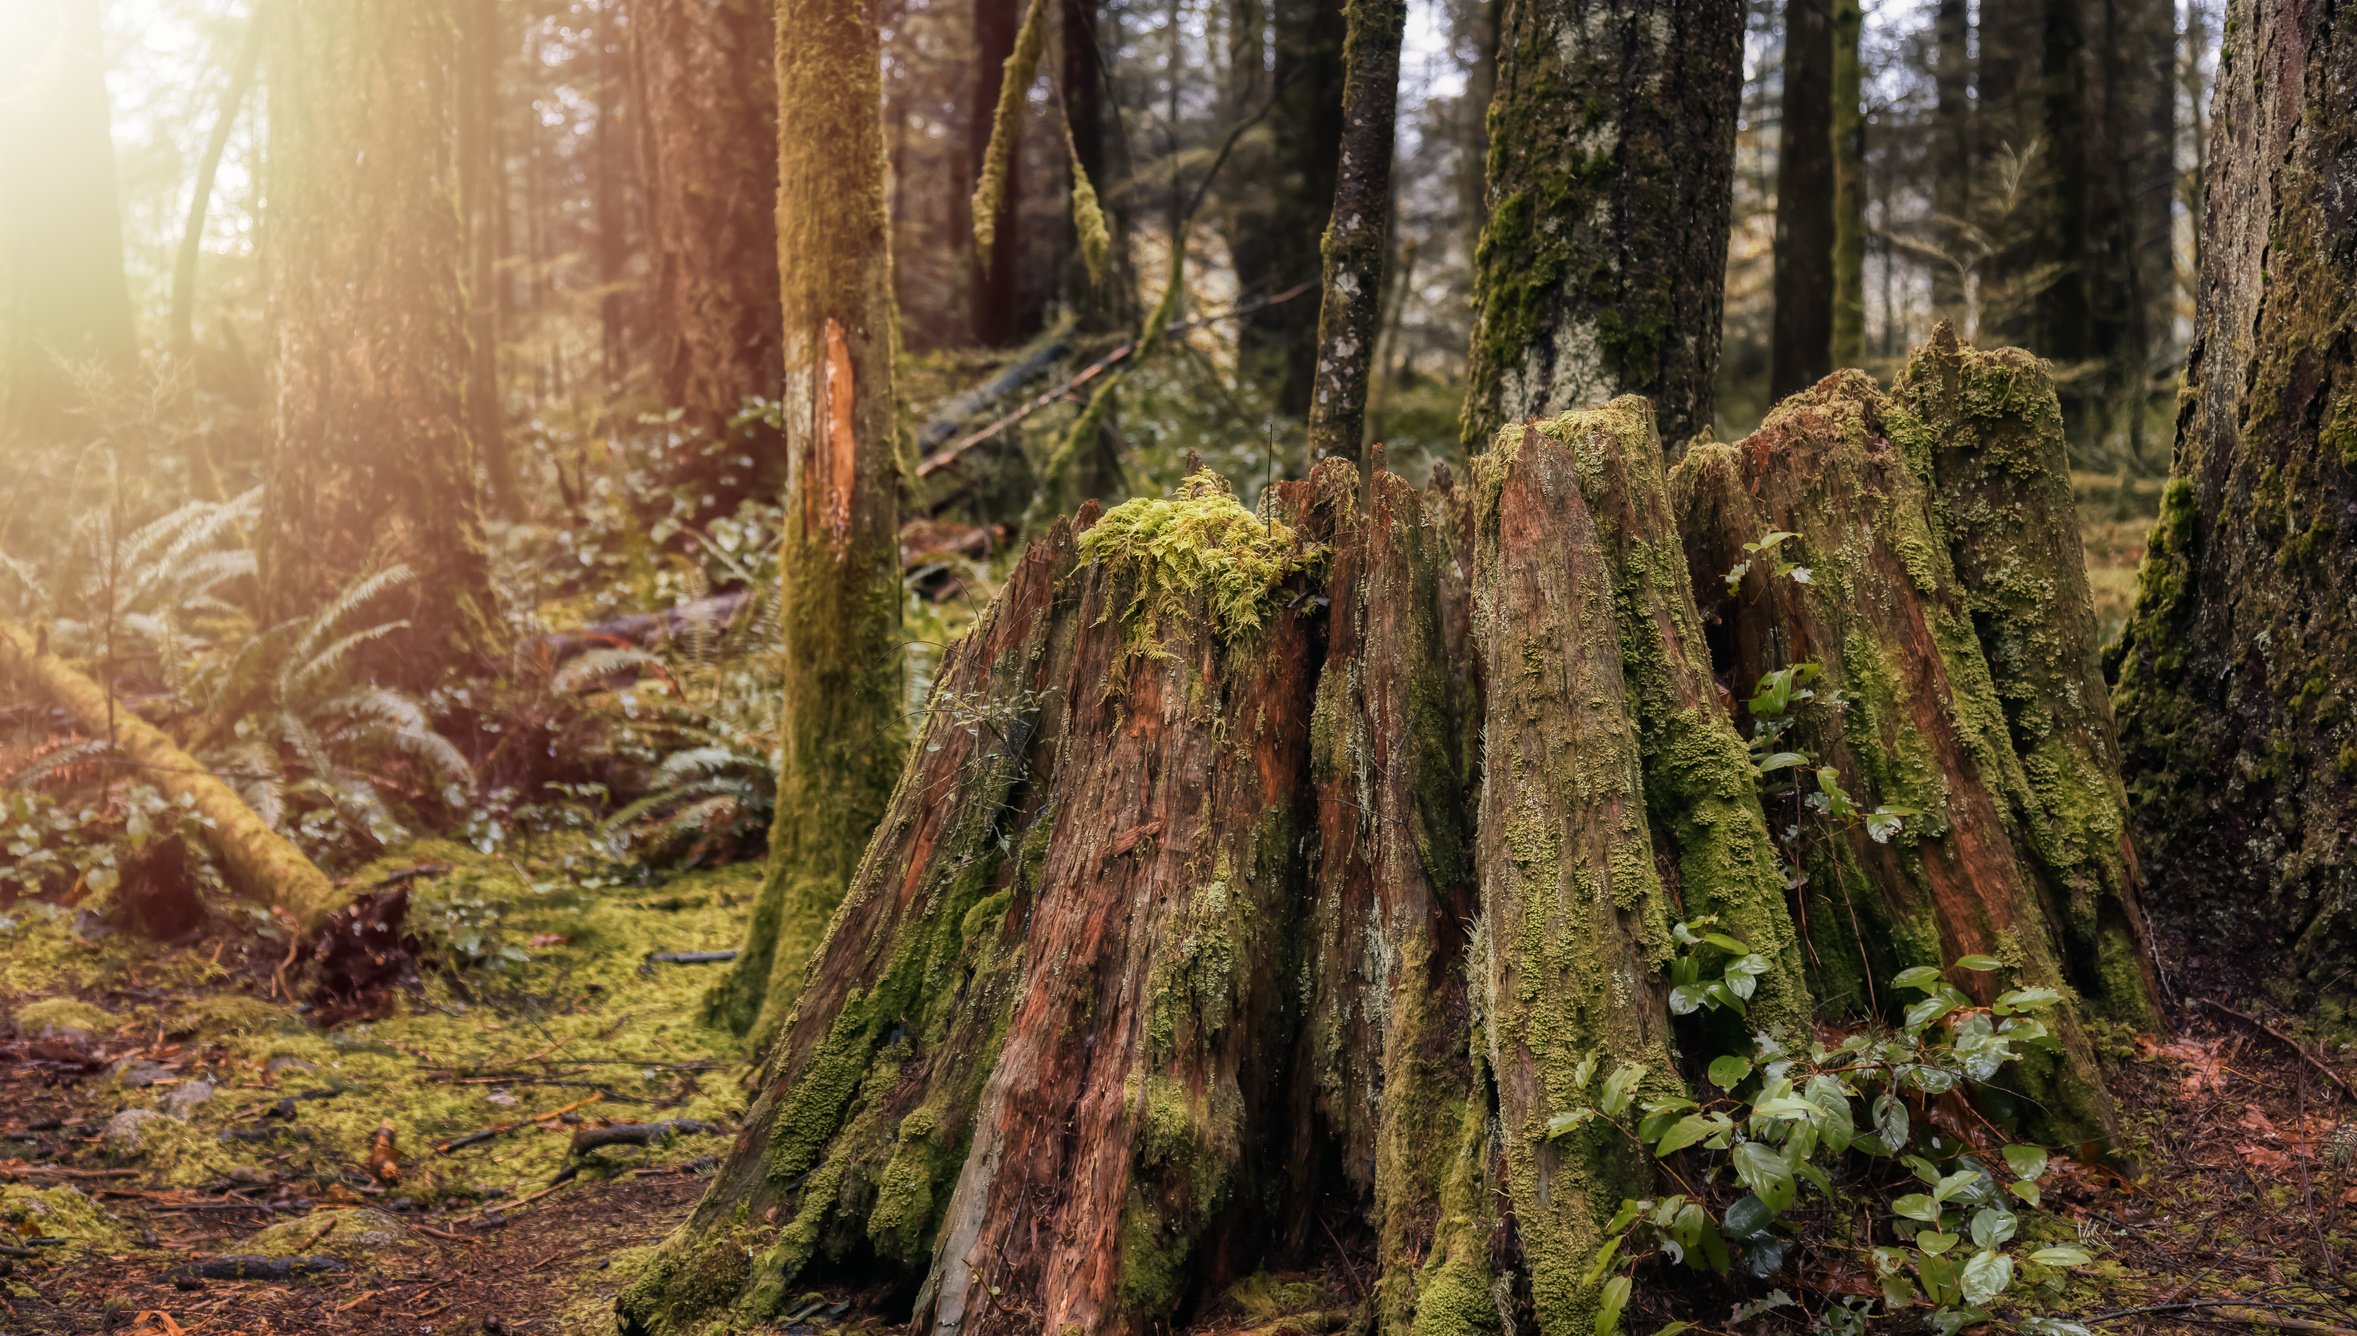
<point x="258" y="861"/>
<point x="244" y="1266"/>
<point x="639" y="1134"/>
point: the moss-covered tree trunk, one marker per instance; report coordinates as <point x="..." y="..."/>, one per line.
<point x="705" y="84"/>
<point x="1847" y="129"/>
<point x="1260" y="884"/>
<point x="371" y="463"/>
<point x="840" y="723"/>
<point x="2237" y="675"/>
<point x="1357" y="249"/>
<point x="1601" y="269"/>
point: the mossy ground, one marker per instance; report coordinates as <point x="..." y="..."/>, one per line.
<point x="578" y="1018"/>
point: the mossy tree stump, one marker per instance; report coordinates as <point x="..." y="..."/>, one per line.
<point x="1259" y="882"/>
<point x="1924" y="618"/>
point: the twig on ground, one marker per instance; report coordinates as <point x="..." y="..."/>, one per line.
<point x="476" y="1138"/>
<point x="2339" y="1082"/>
<point x="640" y="1134"/>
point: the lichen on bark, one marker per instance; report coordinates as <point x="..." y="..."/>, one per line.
<point x="1921" y="725"/>
<point x="1600" y="270"/>
<point x="2234" y="683"/>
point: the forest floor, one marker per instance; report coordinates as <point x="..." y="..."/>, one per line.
<point x="2236" y="1193"/>
<point x="166" y="1107"/>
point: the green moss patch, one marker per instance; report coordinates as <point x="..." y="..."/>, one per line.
<point x="59" y="1213"/>
<point x="1201" y="544"/>
<point x="359" y="1236"/>
<point x="54" y="1014"/>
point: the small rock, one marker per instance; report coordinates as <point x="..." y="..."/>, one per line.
<point x="127" y="1131"/>
<point x="182" y="1100"/>
<point x="284" y="1063"/>
<point x="139" y="1073"/>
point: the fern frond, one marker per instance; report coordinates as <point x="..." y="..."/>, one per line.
<point x="298" y="678"/>
<point x="592" y="667"/>
<point x="703" y="762"/>
<point x="64" y="758"/>
<point x="329" y="621"/>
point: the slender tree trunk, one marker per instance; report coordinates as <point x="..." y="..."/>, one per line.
<point x="1478" y="32"/>
<point x="1602" y="268"/>
<point x="997" y="317"/>
<point x="612" y="246"/>
<point x="482" y="180"/>
<point x="2235" y="671"/>
<point x="1293" y="195"/>
<point x="1848" y="342"/>
<point x="371" y="463"/>
<point x="200" y="199"/>
<point x="1106" y="302"/>
<point x="65" y="302"/>
<point x="1800" y="349"/>
<point x="2076" y="210"/>
<point x="1951" y="158"/>
<point x="1358" y="236"/>
<point x="841" y="725"/>
<point x="707" y="138"/>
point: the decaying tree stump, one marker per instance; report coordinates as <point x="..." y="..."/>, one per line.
<point x="1259" y="883"/>
<point x="1908" y="709"/>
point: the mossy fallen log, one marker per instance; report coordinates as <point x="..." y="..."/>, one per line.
<point x="1255" y="867"/>
<point x="258" y="861"/>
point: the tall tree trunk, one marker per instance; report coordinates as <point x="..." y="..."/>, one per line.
<point x="482" y="179"/>
<point x="1848" y="138"/>
<point x="1800" y="348"/>
<point x="2134" y="302"/>
<point x="64" y="301"/>
<point x="1295" y="193"/>
<point x="841" y="726"/>
<point x="1950" y="160"/>
<point x="200" y="199"/>
<point x="611" y="246"/>
<point x="2076" y="208"/>
<point x="370" y="459"/>
<point x="1602" y="269"/>
<point x="2235" y="671"/>
<point x="1253" y="870"/>
<point x="1477" y="32"/>
<point x="1102" y="303"/>
<point x="1358" y="235"/>
<point x="706" y="86"/>
<point x="997" y="316"/>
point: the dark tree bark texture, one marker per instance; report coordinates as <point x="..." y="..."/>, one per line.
<point x="1357" y="248"/>
<point x="707" y="124"/>
<point x="2235" y="687"/>
<point x="1801" y="342"/>
<point x="1601" y="269"/>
